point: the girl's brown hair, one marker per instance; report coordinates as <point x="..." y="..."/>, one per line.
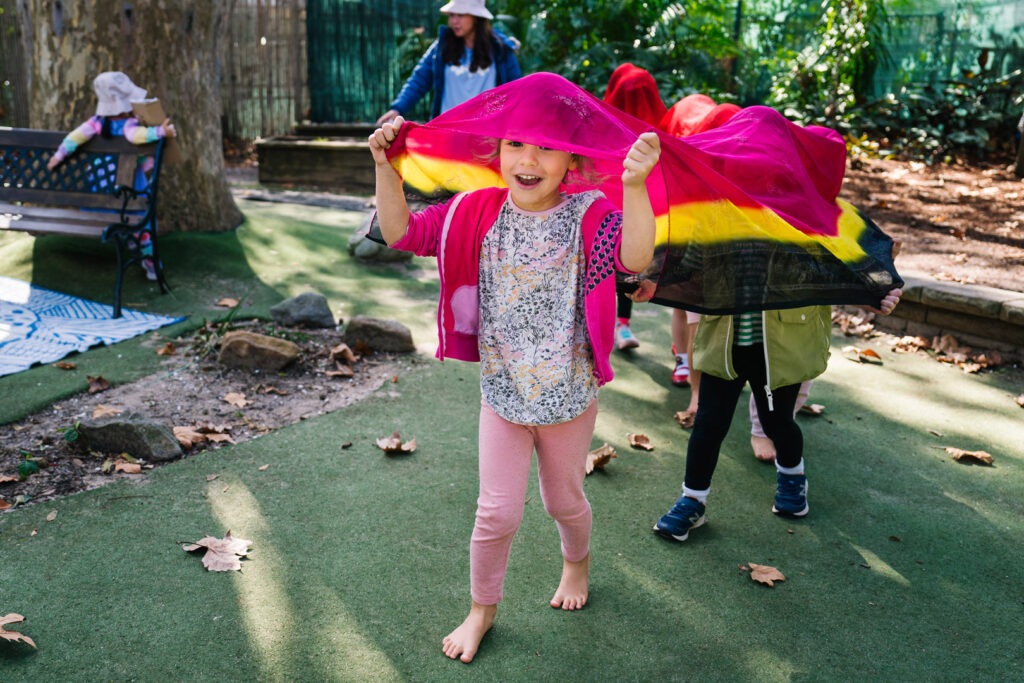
<point x="483" y="42"/>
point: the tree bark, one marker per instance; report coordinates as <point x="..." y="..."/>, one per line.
<point x="170" y="47"/>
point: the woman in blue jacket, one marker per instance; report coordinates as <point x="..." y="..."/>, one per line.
<point x="468" y="57"/>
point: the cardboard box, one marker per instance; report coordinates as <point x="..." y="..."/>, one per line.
<point x="151" y="113"/>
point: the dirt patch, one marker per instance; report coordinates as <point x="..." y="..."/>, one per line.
<point x="956" y="223"/>
<point x="188" y="391"/>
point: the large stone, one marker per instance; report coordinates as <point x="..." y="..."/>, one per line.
<point x="379" y="335"/>
<point x="363" y="248"/>
<point x="308" y="309"/>
<point x="241" y="349"/>
<point x="134" y="435"/>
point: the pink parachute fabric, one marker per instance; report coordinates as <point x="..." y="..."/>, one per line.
<point x="633" y="90"/>
<point x="695" y="114"/>
<point x="747" y="213"/>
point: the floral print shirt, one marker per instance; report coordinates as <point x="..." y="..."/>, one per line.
<point x="536" y="365"/>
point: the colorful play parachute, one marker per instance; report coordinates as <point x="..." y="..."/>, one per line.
<point x="747" y="213"/>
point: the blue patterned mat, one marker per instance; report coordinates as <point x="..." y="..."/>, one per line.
<point x="42" y="326"/>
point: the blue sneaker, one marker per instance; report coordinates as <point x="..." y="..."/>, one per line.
<point x="686" y="514"/>
<point x="791" y="495"/>
<point x="624" y="338"/>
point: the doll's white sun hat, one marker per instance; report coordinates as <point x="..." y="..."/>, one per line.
<point x="115" y="93"/>
<point x="474" y="7"/>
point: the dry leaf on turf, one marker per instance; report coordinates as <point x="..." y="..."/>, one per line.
<point x="64" y="365"/>
<point x="188" y="437"/>
<point x="960" y="455"/>
<point x="599" y="457"/>
<point x="13" y="636"/>
<point x="861" y="355"/>
<point x="685" y="418"/>
<point x="340" y="371"/>
<point x="812" y="408"/>
<point x="211" y="477"/>
<point x="935" y="433"/>
<point x="640" y="441"/>
<point x="765" y="574"/>
<point x="1020" y="400"/>
<point x="393" y="444"/>
<point x="222" y="554"/>
<point x="97" y="384"/>
<point x="236" y="399"/>
<point x="226" y="302"/>
<point x="6" y="478"/>
<point x="52" y="516"/>
<point x="166" y="350"/>
<point x="106" y="411"/>
<point x="219" y="438"/>
<point x="263" y="468"/>
<point x="4" y="504"/>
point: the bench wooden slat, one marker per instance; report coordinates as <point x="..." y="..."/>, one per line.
<point x="64" y="198"/>
<point x="70" y="215"/>
<point x="48" y="226"/>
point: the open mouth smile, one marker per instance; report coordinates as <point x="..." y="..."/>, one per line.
<point x="527" y="180"/>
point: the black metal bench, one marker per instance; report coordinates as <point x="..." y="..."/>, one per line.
<point x="90" y="194"/>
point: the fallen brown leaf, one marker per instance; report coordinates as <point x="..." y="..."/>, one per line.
<point x="960" y="455"/>
<point x="341" y="371"/>
<point x="121" y="465"/>
<point x="211" y="477"/>
<point x="106" y="411"/>
<point x="226" y="302"/>
<point x="64" y="365"/>
<point x="263" y="468"/>
<point x="343" y="353"/>
<point x="4" y="504"/>
<point x="268" y="389"/>
<point x="393" y="444"/>
<point x="599" y="457"/>
<point x="225" y="489"/>
<point x="935" y="433"/>
<point x="219" y="438"/>
<point x="222" y="554"/>
<point x="13" y="636"/>
<point x="911" y="344"/>
<point x="97" y="384"/>
<point x="765" y="574"/>
<point x="34" y="532"/>
<point x="52" y="516"/>
<point x="640" y="441"/>
<point x="812" y="408"/>
<point x="970" y="368"/>
<point x="236" y="399"/>
<point x="7" y="477"/>
<point x="166" y="350"/>
<point x="861" y="355"/>
<point x="1020" y="400"/>
<point x="188" y="437"/>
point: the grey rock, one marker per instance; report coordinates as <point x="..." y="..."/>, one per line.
<point x="134" y="435"/>
<point x="242" y="349"/>
<point x="308" y="309"/>
<point x="379" y="335"/>
<point x="363" y="248"/>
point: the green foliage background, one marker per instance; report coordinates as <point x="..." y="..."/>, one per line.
<point x="920" y="78"/>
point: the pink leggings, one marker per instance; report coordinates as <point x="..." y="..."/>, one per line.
<point x="506" y="450"/>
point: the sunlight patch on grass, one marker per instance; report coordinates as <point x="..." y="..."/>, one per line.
<point x="268" y="613"/>
<point x="880" y="566"/>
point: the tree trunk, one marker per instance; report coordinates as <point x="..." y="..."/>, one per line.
<point x="170" y="47"/>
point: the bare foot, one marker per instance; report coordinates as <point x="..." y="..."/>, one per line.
<point x="572" y="591"/>
<point x="764" y="449"/>
<point x="464" y="641"/>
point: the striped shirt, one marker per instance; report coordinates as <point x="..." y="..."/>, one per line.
<point x="749" y="330"/>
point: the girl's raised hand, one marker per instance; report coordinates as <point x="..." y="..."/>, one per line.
<point x="642" y="157"/>
<point x="168" y="129"/>
<point x="382" y="138"/>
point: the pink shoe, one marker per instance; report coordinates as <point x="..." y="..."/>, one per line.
<point x="681" y="373"/>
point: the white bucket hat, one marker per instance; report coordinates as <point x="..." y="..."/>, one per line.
<point x="115" y="93"/>
<point x="474" y="7"/>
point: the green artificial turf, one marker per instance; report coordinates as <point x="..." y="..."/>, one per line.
<point x="907" y="568"/>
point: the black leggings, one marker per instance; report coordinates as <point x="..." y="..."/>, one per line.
<point x="717" y="404"/>
<point x="624" y="306"/>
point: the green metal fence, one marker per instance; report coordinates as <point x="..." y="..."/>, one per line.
<point x="352" y="50"/>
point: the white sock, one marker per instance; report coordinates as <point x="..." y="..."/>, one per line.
<point x="799" y="469"/>
<point x="702" y="496"/>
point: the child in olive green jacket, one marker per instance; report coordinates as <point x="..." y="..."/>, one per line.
<point x="774" y="351"/>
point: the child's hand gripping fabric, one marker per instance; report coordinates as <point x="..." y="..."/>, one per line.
<point x="638" y="225"/>
<point x="392" y="211"/>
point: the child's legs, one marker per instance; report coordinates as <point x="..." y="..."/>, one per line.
<point x="561" y="466"/>
<point x="755" y="421"/>
<point x="718" y="398"/>
<point x="505" y="453"/>
<point x="623" y="306"/>
<point x="680" y="332"/>
<point x="779" y="425"/>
